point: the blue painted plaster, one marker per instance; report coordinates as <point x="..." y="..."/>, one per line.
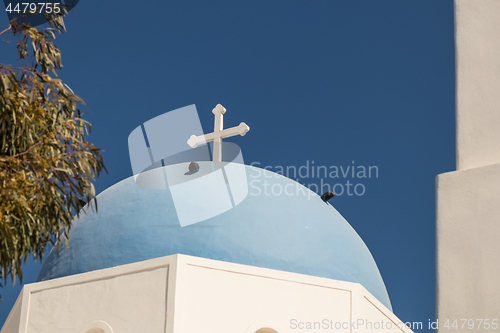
<point x="295" y="233"/>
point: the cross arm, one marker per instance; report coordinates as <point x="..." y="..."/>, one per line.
<point x="194" y="141"/>
<point x="241" y="129"/>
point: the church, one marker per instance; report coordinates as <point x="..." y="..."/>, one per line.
<point x="185" y="247"/>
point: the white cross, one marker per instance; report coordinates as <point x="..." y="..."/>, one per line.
<point x="218" y="134"/>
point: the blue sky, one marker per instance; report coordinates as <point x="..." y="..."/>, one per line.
<point x="326" y="81"/>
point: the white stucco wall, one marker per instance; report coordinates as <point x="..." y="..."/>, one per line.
<point x="477" y="36"/>
<point x="130" y="298"/>
<point x="222" y="297"/>
<point x="128" y="303"/>
<point x="468" y="246"/>
<point x="468" y="200"/>
<point x="190" y="295"/>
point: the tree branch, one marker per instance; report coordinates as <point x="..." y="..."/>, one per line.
<point x="27" y="151"/>
<point x="10" y="26"/>
<point x="24" y="68"/>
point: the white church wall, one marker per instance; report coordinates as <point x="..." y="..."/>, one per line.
<point x="468" y="246"/>
<point x="129" y="298"/>
<point x="218" y="296"/>
<point x="215" y="301"/>
<point x="128" y="303"/>
<point x="477" y="26"/>
<point x="203" y="296"/>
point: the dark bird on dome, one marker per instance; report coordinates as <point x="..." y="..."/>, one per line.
<point x="193" y="167"/>
<point x="81" y="202"/>
<point x="327" y="196"/>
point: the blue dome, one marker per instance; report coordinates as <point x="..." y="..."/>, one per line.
<point x="293" y="231"/>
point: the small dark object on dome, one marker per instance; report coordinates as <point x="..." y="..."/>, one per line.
<point x="327" y="196"/>
<point x="193" y="167"/>
<point x="81" y="202"/>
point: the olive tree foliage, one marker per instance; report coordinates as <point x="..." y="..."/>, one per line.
<point x="46" y="165"/>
